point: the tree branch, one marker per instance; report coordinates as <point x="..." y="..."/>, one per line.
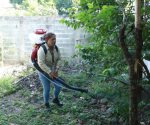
<point x="123" y="44"/>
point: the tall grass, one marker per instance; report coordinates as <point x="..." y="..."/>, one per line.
<point x="116" y="92"/>
<point x="6" y="85"/>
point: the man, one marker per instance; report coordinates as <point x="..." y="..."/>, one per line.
<point x="48" y="63"/>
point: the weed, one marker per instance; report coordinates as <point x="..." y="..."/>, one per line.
<point x="6" y="85"/>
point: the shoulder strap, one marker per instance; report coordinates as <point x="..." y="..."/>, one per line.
<point x="44" y="48"/>
<point x="56" y="48"/>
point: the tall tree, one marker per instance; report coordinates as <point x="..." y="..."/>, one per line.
<point x="134" y="60"/>
<point x="104" y="19"/>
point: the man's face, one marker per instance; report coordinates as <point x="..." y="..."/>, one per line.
<point x="51" y="41"/>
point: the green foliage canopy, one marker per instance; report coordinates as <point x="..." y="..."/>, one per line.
<point x="102" y="19"/>
<point x="16" y="1"/>
<point x="63" y="5"/>
<point x="38" y="7"/>
<point x="43" y="7"/>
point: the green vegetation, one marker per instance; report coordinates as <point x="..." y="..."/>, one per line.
<point x="16" y="1"/>
<point x="117" y="45"/>
<point x="106" y="103"/>
<point x="110" y="64"/>
<point x="36" y="8"/>
<point x="28" y="109"/>
<point x="62" y="6"/>
<point x="8" y="82"/>
<point x="6" y="86"/>
<point x="43" y="7"/>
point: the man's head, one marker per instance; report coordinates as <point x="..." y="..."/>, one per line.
<point x="50" y="39"/>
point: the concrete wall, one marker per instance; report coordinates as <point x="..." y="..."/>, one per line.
<point x="15" y="45"/>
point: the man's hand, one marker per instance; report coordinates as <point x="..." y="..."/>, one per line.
<point x="56" y="73"/>
<point x="53" y="74"/>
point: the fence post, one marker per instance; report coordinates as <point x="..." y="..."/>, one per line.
<point x="1" y="50"/>
<point x="21" y="41"/>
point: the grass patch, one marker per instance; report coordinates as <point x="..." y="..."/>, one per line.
<point x="116" y="93"/>
<point x="77" y="107"/>
<point x="34" y="113"/>
<point x="6" y="85"/>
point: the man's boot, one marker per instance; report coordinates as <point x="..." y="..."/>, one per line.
<point x="56" y="101"/>
<point x="47" y="105"/>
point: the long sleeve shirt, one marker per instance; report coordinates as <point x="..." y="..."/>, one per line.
<point x="45" y="60"/>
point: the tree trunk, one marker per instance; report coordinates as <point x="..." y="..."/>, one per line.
<point x="135" y="69"/>
<point x="133" y="61"/>
<point x="133" y="120"/>
<point x="135" y="76"/>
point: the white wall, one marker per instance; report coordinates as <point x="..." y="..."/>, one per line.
<point x="15" y="45"/>
<point x="147" y="63"/>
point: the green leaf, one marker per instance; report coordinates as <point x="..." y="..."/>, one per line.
<point x="90" y="5"/>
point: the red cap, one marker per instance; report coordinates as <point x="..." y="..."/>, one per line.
<point x="40" y="31"/>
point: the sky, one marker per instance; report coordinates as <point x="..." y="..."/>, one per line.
<point x="5" y="3"/>
<point x="6" y="9"/>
